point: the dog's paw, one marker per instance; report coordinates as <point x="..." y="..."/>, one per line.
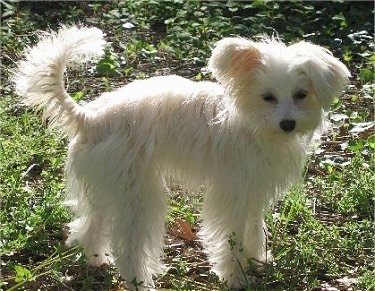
<point x="268" y="258"/>
<point x="138" y="286"/>
<point x="264" y="259"/>
<point x="238" y="281"/>
<point x="99" y="259"/>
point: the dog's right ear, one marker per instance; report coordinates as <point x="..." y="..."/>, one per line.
<point x="232" y="59"/>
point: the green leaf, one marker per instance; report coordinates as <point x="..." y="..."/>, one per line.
<point x="371" y="142"/>
<point x="259" y="3"/>
<point x="356" y="145"/>
<point x="367" y="75"/>
<point x="108" y="65"/>
<point x="23" y="274"/>
<point x="78" y="95"/>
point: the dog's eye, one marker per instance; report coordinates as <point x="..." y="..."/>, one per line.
<point x="269" y="97"/>
<point x="299" y="95"/>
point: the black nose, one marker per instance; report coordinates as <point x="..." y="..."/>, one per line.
<point x="287" y="125"/>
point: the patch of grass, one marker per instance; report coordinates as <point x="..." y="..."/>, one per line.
<point x="322" y="233"/>
<point x="315" y="245"/>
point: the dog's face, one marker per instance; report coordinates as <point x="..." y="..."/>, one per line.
<point x="278" y="89"/>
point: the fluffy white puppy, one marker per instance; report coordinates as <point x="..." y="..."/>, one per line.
<point x="244" y="137"/>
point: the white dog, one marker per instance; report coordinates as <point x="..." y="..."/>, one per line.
<point x="244" y="137"/>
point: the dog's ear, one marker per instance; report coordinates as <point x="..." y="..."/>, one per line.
<point x="327" y="74"/>
<point x="233" y="58"/>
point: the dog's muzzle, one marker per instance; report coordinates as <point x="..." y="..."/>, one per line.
<point x="287" y="125"/>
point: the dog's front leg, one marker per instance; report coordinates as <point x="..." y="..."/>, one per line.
<point x="255" y="239"/>
<point x="232" y="232"/>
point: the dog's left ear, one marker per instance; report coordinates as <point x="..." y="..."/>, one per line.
<point x="234" y="58"/>
<point x="328" y="75"/>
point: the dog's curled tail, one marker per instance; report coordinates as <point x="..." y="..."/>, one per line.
<point x="40" y="77"/>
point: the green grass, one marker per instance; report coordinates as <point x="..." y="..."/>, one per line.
<point x="325" y="231"/>
<point x="321" y="234"/>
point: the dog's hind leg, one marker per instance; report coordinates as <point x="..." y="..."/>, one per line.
<point x="138" y="227"/>
<point x="91" y="232"/>
<point x="87" y="198"/>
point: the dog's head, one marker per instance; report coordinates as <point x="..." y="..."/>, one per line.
<point x="278" y="89"/>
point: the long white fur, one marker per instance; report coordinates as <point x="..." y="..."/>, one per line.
<point x="125" y="144"/>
